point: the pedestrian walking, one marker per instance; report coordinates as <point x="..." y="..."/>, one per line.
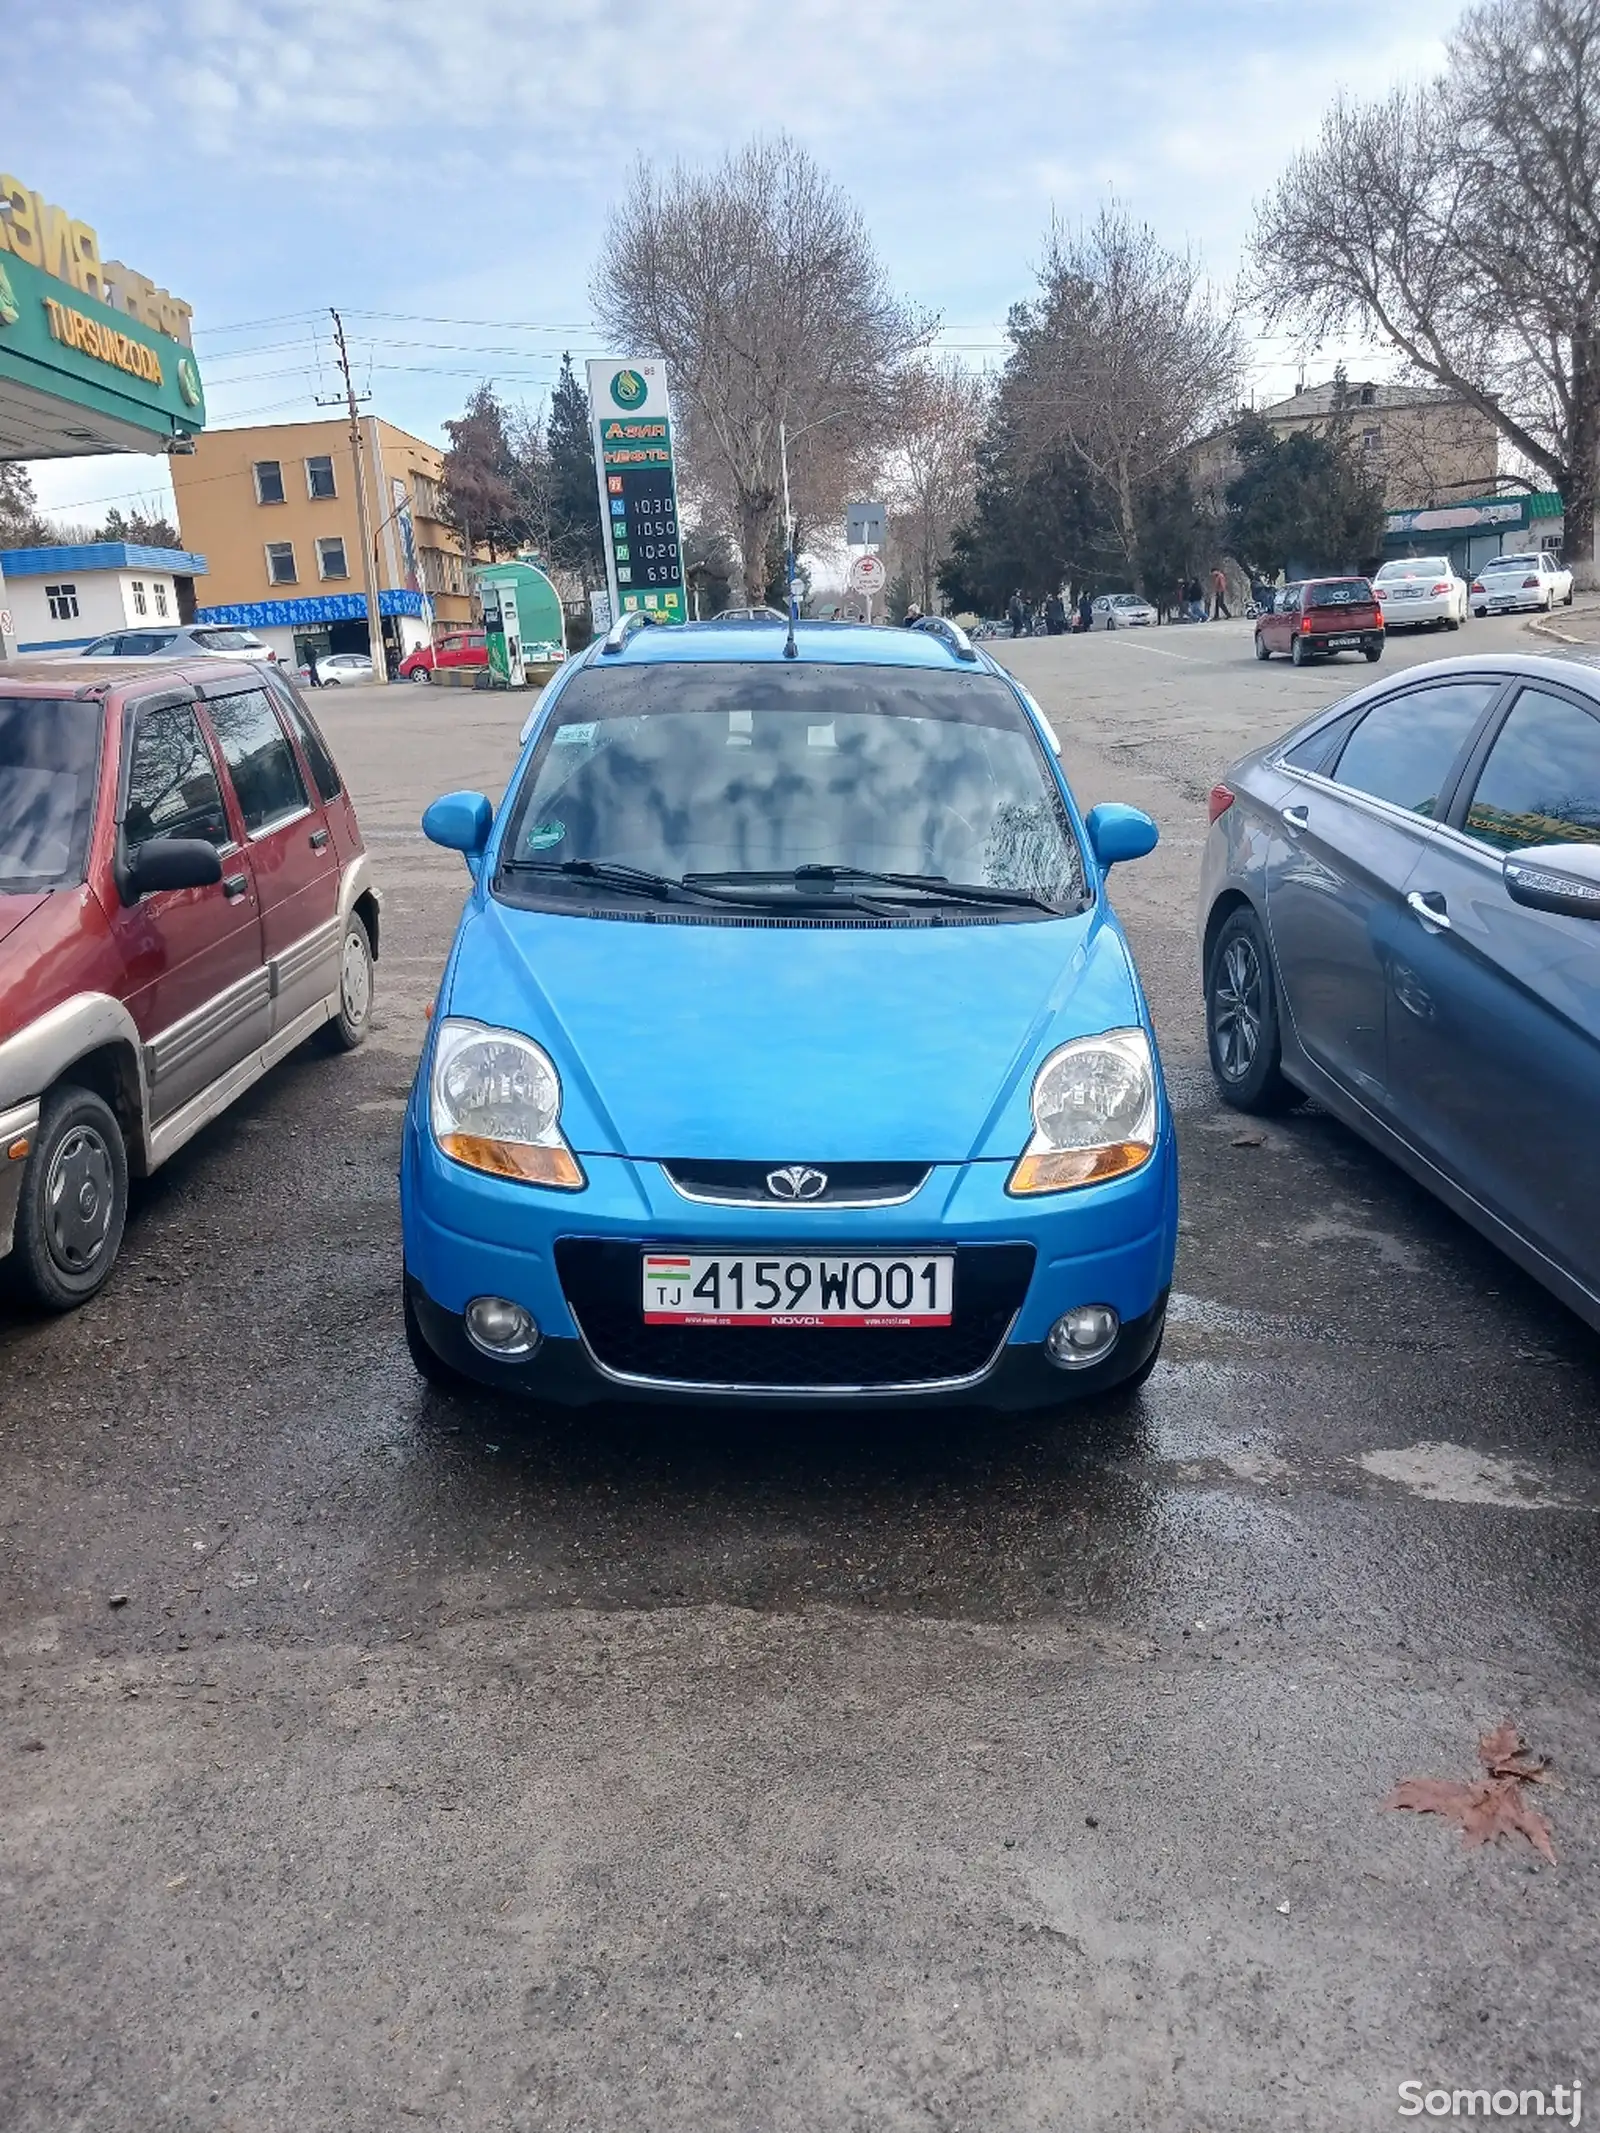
<point x="1085" y="611"/>
<point x="1017" y="615"/>
<point x="1055" y="615"/>
<point x="1194" y="601"/>
<point x="1219" y="595"/>
<point x="312" y="678"/>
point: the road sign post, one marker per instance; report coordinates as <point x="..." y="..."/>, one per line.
<point x="868" y="575"/>
<point x="631" y="424"/>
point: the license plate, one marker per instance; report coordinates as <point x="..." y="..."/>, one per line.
<point x="797" y="1289"/>
<point x="1342" y="644"/>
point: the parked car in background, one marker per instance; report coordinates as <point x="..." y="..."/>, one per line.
<point x="185" y="640"/>
<point x="1511" y="583"/>
<point x="869" y="1115"/>
<point x="463" y="648"/>
<point x="1400" y="916"/>
<point x="1122" y="611"/>
<point x="1321" y="617"/>
<point x="336" y="669"/>
<point x="1418" y="592"/>
<point x="184" y="898"/>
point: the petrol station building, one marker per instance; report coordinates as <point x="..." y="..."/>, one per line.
<point x="94" y="356"/>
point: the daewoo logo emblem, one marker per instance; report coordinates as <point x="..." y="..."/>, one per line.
<point x="797" y="1182"/>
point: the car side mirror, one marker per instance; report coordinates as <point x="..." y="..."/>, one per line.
<point x="170" y="863"/>
<point x="461" y="822"/>
<point x="1564" y="878"/>
<point x="1120" y="832"/>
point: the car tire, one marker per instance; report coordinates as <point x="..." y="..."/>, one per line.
<point x="1242" y="1039"/>
<point x="74" y="1200"/>
<point x="419" y="674"/>
<point x="428" y="1363"/>
<point x="1567" y="602"/>
<point x="1261" y="647"/>
<point x="1452" y="621"/>
<point x="1299" y="656"/>
<point x="352" y="1016"/>
<point x="1374" y="652"/>
<point x="1481" y="613"/>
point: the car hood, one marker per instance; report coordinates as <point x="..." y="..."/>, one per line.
<point x="767" y="1043"/>
<point x="17" y="906"/>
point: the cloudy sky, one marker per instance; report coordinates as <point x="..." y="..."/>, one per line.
<point x="441" y="169"/>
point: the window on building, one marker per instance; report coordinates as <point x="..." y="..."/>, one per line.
<point x="330" y="557"/>
<point x="141" y="606"/>
<point x="319" y="476"/>
<point x="442" y="571"/>
<point x="280" y="563"/>
<point x="160" y="590"/>
<point x="427" y="496"/>
<point x="63" y="601"/>
<point x="1372" y="440"/>
<point x="269" y="482"/>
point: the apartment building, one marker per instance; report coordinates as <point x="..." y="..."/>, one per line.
<point x="1426" y="446"/>
<point x="273" y="510"/>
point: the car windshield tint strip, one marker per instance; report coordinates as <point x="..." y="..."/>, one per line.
<point x="49" y="753"/>
<point x="733" y="769"/>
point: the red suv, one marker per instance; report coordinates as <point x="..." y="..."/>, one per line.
<point x="1322" y="616"/>
<point x="184" y="897"/>
<point x="469" y="649"/>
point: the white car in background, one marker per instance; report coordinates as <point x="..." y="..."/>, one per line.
<point x="1421" y="592"/>
<point x="335" y="669"/>
<point x="1121" y="611"/>
<point x="1507" y="583"/>
<point x="183" y="640"/>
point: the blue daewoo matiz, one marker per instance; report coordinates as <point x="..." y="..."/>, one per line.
<point x="788" y="1050"/>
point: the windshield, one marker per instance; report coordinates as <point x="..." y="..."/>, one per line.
<point x="1338" y="592"/>
<point x="744" y="770"/>
<point x="1126" y="600"/>
<point x="228" y="641"/>
<point x="1509" y="562"/>
<point x="1416" y="566"/>
<point x="49" y="751"/>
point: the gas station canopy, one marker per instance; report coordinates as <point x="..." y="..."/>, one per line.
<point x="93" y="356"/>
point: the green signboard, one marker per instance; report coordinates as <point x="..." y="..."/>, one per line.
<point x="57" y="341"/>
<point x="637" y="478"/>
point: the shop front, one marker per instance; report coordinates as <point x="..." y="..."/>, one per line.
<point x="1470" y="533"/>
<point x="306" y="630"/>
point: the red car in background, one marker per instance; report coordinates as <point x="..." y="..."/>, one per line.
<point x="184" y="898"/>
<point x="469" y="648"/>
<point x="1322" y="617"/>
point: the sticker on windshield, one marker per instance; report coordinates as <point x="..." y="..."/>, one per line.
<point x="544" y="834"/>
<point x="574" y="736"/>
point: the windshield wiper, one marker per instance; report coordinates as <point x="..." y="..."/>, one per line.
<point x="640" y="881"/>
<point x="938" y="886"/>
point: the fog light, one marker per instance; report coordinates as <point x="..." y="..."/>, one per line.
<point x="501" y="1329"/>
<point x="1081" y="1337"/>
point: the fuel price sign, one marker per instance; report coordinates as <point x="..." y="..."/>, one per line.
<point x="632" y="429"/>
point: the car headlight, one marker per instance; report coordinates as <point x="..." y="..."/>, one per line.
<point x="1094" y="1114"/>
<point x="494" y="1100"/>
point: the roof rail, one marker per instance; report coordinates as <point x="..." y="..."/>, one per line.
<point x="950" y="633"/>
<point x="623" y="628"/>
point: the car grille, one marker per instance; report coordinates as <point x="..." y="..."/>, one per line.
<point x="601" y="1281"/>
<point x="849" y="1184"/>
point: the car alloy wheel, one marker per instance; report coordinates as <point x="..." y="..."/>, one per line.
<point x="1261" y="647"/>
<point x="420" y="674"/>
<point x="1299" y="656"/>
<point x="1238" y="996"/>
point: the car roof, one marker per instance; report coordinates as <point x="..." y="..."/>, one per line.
<point x="79" y="677"/>
<point x="817" y="643"/>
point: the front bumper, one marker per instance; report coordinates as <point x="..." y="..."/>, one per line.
<point x="18" y="1124"/>
<point x="469" y="1235"/>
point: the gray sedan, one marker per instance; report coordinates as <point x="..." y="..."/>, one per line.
<point x="1400" y="916"/>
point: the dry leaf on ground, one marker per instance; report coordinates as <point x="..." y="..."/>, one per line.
<point x="1491" y="1807"/>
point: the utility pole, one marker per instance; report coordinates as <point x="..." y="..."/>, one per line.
<point x="380" y="665"/>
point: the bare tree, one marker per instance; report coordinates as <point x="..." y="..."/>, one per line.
<point x="1123" y="361"/>
<point x="758" y="285"/>
<point x="933" y="477"/>
<point x="1460" y="223"/>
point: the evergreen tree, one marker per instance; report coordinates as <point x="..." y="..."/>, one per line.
<point x="1302" y="502"/>
<point x="20" y="523"/>
<point x="480" y="477"/>
<point x="577" y="536"/>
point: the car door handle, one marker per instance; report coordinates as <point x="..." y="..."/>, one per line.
<point x="1298" y="818"/>
<point x="1432" y="913"/>
<point x="318" y="839"/>
<point x="234" y="886"/>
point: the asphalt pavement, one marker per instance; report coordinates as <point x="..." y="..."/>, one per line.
<point x="373" y="1757"/>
